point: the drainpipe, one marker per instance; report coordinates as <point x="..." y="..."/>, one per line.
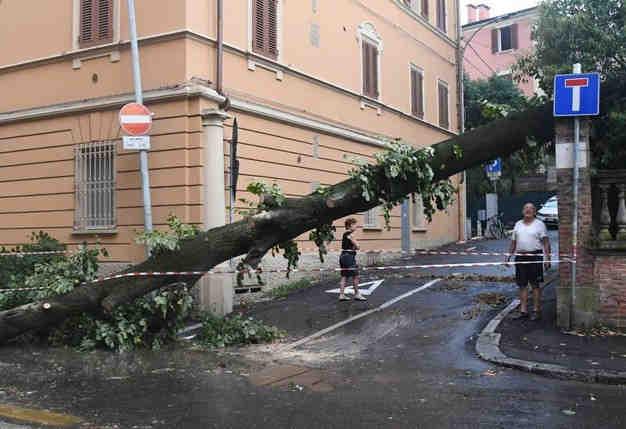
<point x="461" y="115"/>
<point x="219" y="84"/>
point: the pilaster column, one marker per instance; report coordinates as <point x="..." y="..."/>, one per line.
<point x="214" y="212"/>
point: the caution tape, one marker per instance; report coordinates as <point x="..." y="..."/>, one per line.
<point x="298" y="270"/>
<point x="316" y="270"/>
<point x="441" y="252"/>
<point x="42" y="253"/>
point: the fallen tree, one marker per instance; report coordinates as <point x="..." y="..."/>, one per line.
<point x="257" y="234"/>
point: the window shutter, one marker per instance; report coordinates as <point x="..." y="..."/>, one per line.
<point x="370" y="69"/>
<point x="366" y="69"/>
<point x="494" y="40"/>
<point x="265" y="27"/>
<point x="105" y="20"/>
<point x="441" y="15"/>
<point x="86" y="21"/>
<point x="417" y="106"/>
<point x="258" y="26"/>
<point x="414" y="92"/>
<point x="272" y="28"/>
<point x="96" y="22"/>
<point x="374" y="65"/>
<point x="514" y="36"/>
<point x="425" y="8"/>
<point x="443" y="106"/>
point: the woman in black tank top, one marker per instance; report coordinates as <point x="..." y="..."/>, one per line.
<point x="347" y="262"/>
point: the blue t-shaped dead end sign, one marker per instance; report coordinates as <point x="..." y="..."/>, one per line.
<point x="577" y="94"/>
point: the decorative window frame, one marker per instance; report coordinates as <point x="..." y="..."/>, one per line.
<point x="420" y="70"/>
<point x="367" y="31"/>
<point x="279" y="35"/>
<point x="76" y="25"/>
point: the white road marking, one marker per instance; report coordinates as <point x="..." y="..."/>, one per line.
<point x="357" y="317"/>
<point x="350" y="290"/>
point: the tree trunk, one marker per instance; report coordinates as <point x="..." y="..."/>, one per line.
<point x="257" y="234"/>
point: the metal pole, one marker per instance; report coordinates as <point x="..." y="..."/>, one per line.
<point x="143" y="154"/>
<point x="577" y="69"/>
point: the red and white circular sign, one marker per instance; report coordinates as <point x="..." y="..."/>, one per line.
<point x="135" y="119"/>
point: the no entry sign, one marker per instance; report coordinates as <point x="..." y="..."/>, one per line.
<point x="135" y="119"/>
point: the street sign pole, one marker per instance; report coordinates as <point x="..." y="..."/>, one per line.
<point x="576" y="69"/>
<point x="143" y="154"/>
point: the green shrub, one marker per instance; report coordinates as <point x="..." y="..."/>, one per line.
<point x="287" y="288"/>
<point x="149" y="321"/>
<point x="235" y="330"/>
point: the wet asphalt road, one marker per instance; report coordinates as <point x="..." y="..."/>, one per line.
<point x="412" y="365"/>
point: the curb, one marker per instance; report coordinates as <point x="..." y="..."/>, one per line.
<point x="488" y="348"/>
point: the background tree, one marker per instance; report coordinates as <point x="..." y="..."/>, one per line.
<point x="593" y="33"/>
<point x="487" y="100"/>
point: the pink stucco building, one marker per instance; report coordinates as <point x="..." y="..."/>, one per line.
<point x="495" y="43"/>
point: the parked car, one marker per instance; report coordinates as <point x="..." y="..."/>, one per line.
<point x="549" y="212"/>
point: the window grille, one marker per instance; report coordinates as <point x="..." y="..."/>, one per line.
<point x="94" y="170"/>
<point x="370" y="218"/>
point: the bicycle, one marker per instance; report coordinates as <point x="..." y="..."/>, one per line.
<point x="495" y="227"/>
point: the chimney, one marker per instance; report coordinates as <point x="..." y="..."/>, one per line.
<point x="472" y="13"/>
<point x="484" y="12"/>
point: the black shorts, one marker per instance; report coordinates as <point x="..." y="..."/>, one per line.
<point x="532" y="274"/>
<point x="347" y="263"/>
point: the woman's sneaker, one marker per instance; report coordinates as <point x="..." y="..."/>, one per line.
<point x="344" y="298"/>
<point x="359" y="297"/>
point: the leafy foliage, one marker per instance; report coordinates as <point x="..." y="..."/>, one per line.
<point x="403" y="162"/>
<point x="593" y="33"/>
<point x="235" y="330"/>
<point x="322" y="236"/>
<point x="167" y="241"/>
<point x="149" y="321"/>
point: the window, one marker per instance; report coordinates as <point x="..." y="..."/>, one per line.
<point x="265" y="27"/>
<point x="96" y="22"/>
<point x="370" y="219"/>
<point x="370" y="69"/>
<point x="371" y="50"/>
<point x="504" y="38"/>
<point x="417" y="92"/>
<point x="444" y="113"/>
<point x="94" y="181"/>
<point x="418" y="220"/>
<point x="425" y="9"/>
<point x="442" y="15"/>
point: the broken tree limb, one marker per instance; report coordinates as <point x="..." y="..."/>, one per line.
<point x="258" y="233"/>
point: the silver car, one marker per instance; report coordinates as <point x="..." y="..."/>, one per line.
<point x="549" y="212"/>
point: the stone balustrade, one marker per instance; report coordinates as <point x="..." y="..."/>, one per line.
<point x="609" y="207"/>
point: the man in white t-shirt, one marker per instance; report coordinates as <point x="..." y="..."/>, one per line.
<point x="530" y="244"/>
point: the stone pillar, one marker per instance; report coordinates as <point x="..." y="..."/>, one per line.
<point x="215" y="291"/>
<point x="584" y="310"/>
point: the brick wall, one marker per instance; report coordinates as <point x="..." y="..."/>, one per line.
<point x="586" y="292"/>
<point x="610" y="279"/>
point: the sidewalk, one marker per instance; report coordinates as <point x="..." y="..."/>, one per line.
<point x="543" y="348"/>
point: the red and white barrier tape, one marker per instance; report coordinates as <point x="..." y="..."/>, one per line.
<point x="22" y="254"/>
<point x="438" y="252"/>
<point x="317" y="270"/>
<point x="296" y="270"/>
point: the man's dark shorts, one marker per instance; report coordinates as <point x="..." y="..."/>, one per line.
<point x="529" y="274"/>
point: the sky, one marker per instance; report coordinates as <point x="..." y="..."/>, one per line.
<point x="498" y="7"/>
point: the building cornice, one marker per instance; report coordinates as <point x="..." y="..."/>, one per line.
<point x="90" y="52"/>
<point x="510" y="17"/>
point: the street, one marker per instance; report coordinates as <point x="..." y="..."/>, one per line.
<point x="412" y="364"/>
